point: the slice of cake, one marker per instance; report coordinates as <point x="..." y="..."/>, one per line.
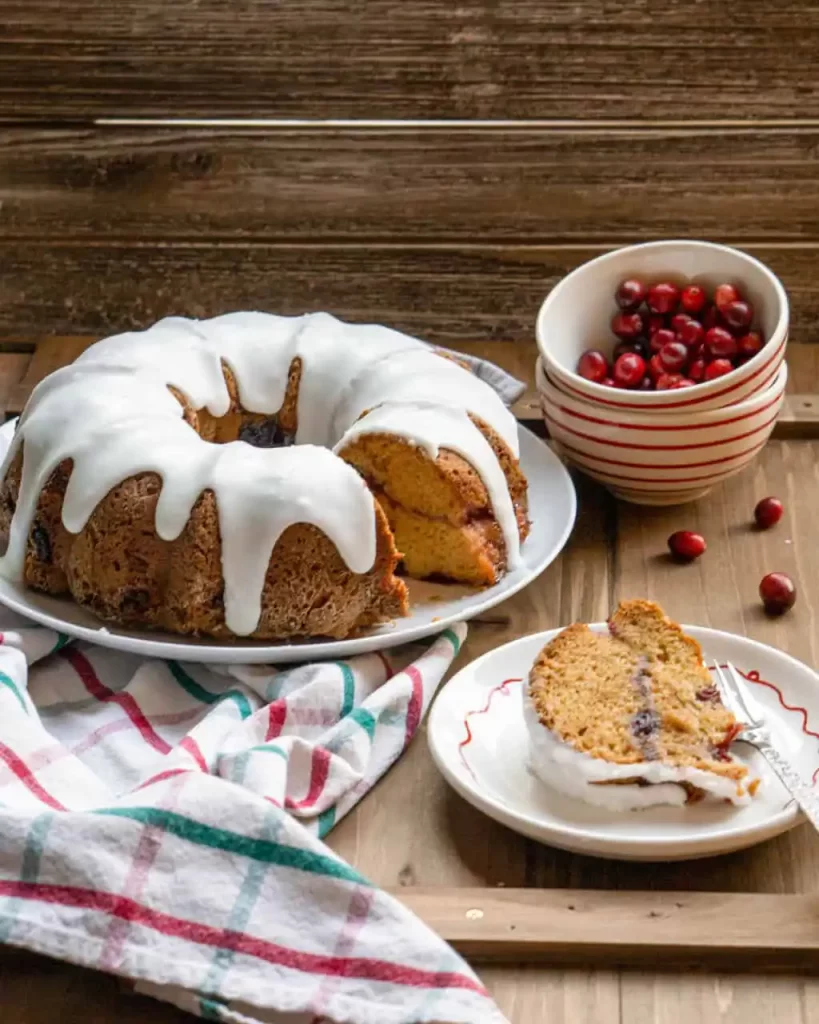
<point x="631" y="718"/>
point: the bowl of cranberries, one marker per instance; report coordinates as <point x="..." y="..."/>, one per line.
<point x="665" y="326"/>
<point x="665" y="457"/>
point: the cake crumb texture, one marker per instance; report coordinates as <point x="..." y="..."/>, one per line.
<point x="431" y="514"/>
<point x="638" y="693"/>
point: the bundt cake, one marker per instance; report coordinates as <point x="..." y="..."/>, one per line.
<point x="631" y="719"/>
<point x="259" y="476"/>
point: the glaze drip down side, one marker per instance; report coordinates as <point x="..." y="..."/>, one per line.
<point x="177" y="404"/>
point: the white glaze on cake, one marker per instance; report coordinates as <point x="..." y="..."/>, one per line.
<point x="433" y="427"/>
<point x="567" y="770"/>
<point x="112" y="413"/>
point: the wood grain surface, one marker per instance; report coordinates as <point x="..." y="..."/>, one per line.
<point x="454" y="235"/>
<point x="329" y="58"/>
<point x="757" y="932"/>
<point x="513" y="185"/>
<point x="616" y="551"/>
<point x="25" y="361"/>
<point x="612" y="121"/>
<point x="446" y="293"/>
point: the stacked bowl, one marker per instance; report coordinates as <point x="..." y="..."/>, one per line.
<point x="659" y="447"/>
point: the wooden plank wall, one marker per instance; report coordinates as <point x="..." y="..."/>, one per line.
<point x="479" y="150"/>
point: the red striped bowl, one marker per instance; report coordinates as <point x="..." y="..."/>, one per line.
<point x="575" y="316"/>
<point x="665" y="458"/>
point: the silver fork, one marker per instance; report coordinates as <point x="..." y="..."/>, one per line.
<point x="757" y="733"/>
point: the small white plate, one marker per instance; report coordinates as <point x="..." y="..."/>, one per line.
<point x="553" y="507"/>
<point x="479" y="742"/>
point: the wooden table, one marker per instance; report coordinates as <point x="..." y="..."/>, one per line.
<point x="436" y="167"/>
<point x="412" y="831"/>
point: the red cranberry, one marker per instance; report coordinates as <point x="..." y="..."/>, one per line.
<point x="686" y="545"/>
<point x="749" y="344"/>
<point x="678" y="321"/>
<point x="778" y="593"/>
<point x="663" y="297"/>
<point x="607" y="382"/>
<point x="696" y="371"/>
<point x="720" y="344"/>
<point x="593" y="365"/>
<point x="768" y="512"/>
<point x="691" y="334"/>
<point x="693" y="298"/>
<point x="645" y="723"/>
<point x="684" y="383"/>
<point x="627" y="326"/>
<point x="655" y="367"/>
<point x="630" y="294"/>
<point x="724" y="294"/>
<point x="661" y="338"/>
<point x="667" y="381"/>
<point x="718" y="368"/>
<point x="655" y="323"/>
<point x="673" y="356"/>
<point x="646" y="384"/>
<point x="710" y="318"/>
<point x="738" y="315"/>
<point x="629" y="370"/>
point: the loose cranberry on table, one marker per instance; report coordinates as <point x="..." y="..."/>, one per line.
<point x="630" y="294"/>
<point x="593" y="366"/>
<point x="663" y="297"/>
<point x="720" y="344"/>
<point x="778" y="593"/>
<point x="693" y="298"/>
<point x="629" y="370"/>
<point x="686" y="545"/>
<point x="768" y="512"/>
<point x="718" y="368"/>
<point x="627" y="326"/>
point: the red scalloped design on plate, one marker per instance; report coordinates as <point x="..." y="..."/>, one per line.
<point x="754" y="677"/>
<point x="500" y="688"/>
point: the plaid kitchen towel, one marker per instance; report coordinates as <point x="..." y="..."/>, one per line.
<point x="164" y="821"/>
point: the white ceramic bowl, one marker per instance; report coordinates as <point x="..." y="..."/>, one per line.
<point x="576" y="314"/>
<point x="659" y="458"/>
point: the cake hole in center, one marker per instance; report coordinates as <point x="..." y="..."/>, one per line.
<point x="265" y="434"/>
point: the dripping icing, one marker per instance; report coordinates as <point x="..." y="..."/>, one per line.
<point x="433" y="427"/>
<point x="131" y="423"/>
